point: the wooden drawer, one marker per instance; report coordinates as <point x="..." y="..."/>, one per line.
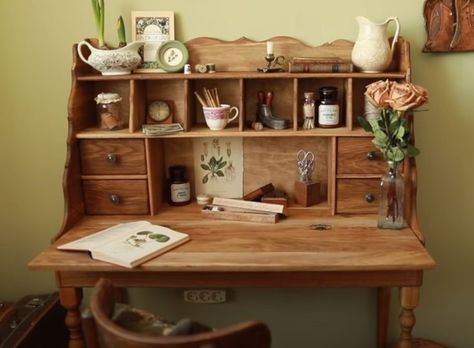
<point x="116" y="196"/>
<point x="357" y="195"/>
<point x="113" y="156"/>
<point x="359" y="156"/>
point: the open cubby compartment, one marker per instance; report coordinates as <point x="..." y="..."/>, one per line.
<point x="144" y="92"/>
<point x="230" y="92"/>
<point x="344" y="96"/>
<point x="265" y="160"/>
<point x="91" y="89"/>
<point x="359" y="99"/>
<point x="283" y="98"/>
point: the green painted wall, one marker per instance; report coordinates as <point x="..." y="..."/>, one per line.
<point x="35" y="41"/>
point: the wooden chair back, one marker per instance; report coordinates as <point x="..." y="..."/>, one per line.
<point x="101" y="331"/>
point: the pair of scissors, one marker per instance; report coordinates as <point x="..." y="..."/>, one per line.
<point x="305" y="164"/>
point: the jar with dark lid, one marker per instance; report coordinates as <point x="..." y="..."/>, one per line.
<point x="180" y="190"/>
<point x="328" y="108"/>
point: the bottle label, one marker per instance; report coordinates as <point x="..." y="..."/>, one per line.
<point x="180" y="192"/>
<point x="328" y="115"/>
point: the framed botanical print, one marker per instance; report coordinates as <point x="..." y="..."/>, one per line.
<point x="154" y="28"/>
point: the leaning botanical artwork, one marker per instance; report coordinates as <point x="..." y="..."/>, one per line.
<point x="154" y="28"/>
<point x="219" y="166"/>
<point x="449" y="25"/>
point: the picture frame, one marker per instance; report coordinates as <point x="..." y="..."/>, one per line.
<point x="154" y="28"/>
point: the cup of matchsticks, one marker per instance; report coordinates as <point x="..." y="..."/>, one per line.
<point x="217" y="115"/>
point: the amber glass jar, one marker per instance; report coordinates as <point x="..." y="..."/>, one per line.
<point x="328" y="108"/>
<point x="180" y="190"/>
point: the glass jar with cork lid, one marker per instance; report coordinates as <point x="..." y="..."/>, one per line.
<point x="109" y="111"/>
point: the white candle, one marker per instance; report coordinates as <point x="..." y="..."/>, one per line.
<point x="269" y="47"/>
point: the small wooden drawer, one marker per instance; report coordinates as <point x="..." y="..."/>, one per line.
<point x="357" y="195"/>
<point x="359" y="156"/>
<point x="116" y="196"/>
<point x="113" y="156"/>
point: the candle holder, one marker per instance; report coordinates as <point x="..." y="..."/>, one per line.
<point x="273" y="63"/>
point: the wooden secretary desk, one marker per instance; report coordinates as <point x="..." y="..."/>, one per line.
<point x="131" y="166"/>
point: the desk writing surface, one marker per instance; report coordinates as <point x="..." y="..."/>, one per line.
<point x="352" y="244"/>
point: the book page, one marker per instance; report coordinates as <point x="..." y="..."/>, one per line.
<point x="105" y="236"/>
<point x="219" y="166"/>
<point x="135" y="246"/>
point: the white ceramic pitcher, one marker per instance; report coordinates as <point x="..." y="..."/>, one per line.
<point x="372" y="52"/>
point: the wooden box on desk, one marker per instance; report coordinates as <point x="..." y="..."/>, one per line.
<point x="307" y="193"/>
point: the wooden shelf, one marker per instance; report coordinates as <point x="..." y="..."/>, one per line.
<point x="202" y="131"/>
<point x="241" y="75"/>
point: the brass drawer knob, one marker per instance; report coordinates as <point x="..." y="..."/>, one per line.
<point x="371" y="156"/>
<point x="114" y="199"/>
<point x="369" y="197"/>
<point x="111" y="158"/>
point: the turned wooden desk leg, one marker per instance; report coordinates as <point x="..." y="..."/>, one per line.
<point x="71" y="299"/>
<point x="383" y="311"/>
<point x="409" y="298"/>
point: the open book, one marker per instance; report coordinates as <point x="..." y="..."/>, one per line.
<point x="128" y="244"/>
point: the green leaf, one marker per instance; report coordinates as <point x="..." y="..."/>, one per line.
<point x="397" y="154"/>
<point x="394" y="117"/>
<point x="212" y="161"/>
<point x="222" y="165"/>
<point x="205" y="167"/>
<point x="205" y="179"/>
<point x="412" y="151"/>
<point x="394" y="126"/>
<point x="161" y="238"/>
<point x="400" y="133"/>
<point x="380" y="144"/>
<point x="380" y="124"/>
<point x="364" y="124"/>
<point x="380" y="136"/>
<point x="220" y="173"/>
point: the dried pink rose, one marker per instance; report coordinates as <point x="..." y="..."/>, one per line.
<point x="378" y="93"/>
<point x="406" y="96"/>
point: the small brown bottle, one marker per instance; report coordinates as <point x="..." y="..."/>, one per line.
<point x="180" y="190"/>
<point x="328" y="108"/>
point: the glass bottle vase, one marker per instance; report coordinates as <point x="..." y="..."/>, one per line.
<point x="392" y="194"/>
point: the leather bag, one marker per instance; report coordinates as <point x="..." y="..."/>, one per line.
<point x="449" y="25"/>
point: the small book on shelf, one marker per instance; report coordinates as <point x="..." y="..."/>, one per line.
<point x="320" y="65"/>
<point x="128" y="244"/>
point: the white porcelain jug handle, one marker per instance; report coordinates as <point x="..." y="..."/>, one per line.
<point x="79" y="49"/>
<point x="397" y="30"/>
<point x="234" y="108"/>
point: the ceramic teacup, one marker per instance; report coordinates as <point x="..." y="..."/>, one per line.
<point x="217" y="118"/>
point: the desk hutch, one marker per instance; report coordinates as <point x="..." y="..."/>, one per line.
<point x="102" y="166"/>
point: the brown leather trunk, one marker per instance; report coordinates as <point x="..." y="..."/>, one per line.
<point x="449" y="25"/>
<point x="36" y="321"/>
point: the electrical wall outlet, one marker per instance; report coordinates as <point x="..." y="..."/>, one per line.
<point x="205" y="296"/>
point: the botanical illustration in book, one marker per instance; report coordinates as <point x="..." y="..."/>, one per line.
<point x="128" y="244"/>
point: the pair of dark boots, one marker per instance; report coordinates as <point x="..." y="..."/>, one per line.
<point x="264" y="115"/>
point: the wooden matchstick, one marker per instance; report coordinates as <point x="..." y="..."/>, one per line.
<point x="217" y="97"/>
<point x="203" y="103"/>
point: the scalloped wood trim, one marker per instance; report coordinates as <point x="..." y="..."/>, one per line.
<point x="244" y="54"/>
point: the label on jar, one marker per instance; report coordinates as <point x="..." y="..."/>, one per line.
<point x="180" y="192"/>
<point x="328" y="115"/>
